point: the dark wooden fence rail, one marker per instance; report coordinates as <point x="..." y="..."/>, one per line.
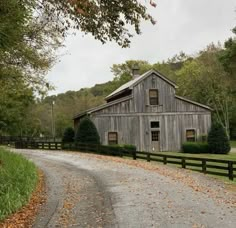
<point x="38" y="145"/>
<point x="206" y="165"/>
<point x="4" y="140"/>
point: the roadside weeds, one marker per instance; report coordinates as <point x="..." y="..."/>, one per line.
<point x="27" y="214"/>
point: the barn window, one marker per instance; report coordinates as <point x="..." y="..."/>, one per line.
<point x="112" y="138"/>
<point x="190" y="135"/>
<point x="155" y="124"/>
<point x="153" y="97"/>
<point x="155" y="136"/>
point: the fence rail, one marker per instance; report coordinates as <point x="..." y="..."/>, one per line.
<point x="206" y="165"/>
<point x="4" y="140"/>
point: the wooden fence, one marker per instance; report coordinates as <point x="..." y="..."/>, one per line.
<point x="38" y="145"/>
<point x="4" y="140"/>
<point x="206" y="165"/>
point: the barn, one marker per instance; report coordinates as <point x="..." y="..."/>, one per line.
<point x="147" y="113"/>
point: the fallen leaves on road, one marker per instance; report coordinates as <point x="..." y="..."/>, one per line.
<point x="187" y="177"/>
<point x="72" y="198"/>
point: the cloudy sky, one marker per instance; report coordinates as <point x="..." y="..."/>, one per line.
<point x="182" y="25"/>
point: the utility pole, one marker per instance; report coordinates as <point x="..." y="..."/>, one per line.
<point x="53" y="121"/>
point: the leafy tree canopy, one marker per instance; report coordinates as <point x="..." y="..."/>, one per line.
<point x="228" y="56"/>
<point x="106" y="20"/>
<point x="27" y="51"/>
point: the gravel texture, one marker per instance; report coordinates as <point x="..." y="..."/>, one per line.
<point x="87" y="190"/>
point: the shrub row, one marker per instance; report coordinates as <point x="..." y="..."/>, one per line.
<point x="195" y="148"/>
<point x="115" y="150"/>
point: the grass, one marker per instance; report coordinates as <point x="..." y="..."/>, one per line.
<point x="230" y="156"/>
<point x="18" y="179"/>
<point x="233" y="144"/>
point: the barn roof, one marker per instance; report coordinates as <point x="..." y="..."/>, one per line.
<point x="89" y="111"/>
<point x="132" y="83"/>
<point x="193" y="102"/>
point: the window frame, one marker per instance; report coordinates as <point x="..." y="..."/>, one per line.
<point x="153" y="98"/>
<point x="154" y="121"/>
<point x="191" y="138"/>
<point x="153" y="136"/>
<point x="112" y="142"/>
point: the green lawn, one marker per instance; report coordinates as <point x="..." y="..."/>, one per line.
<point x="18" y="179"/>
<point x="230" y="156"/>
<point x="233" y="144"/>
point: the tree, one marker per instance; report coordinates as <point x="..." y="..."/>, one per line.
<point x="228" y="55"/>
<point x="27" y="45"/>
<point x="26" y="53"/>
<point x="214" y="86"/>
<point x="68" y="135"/>
<point x="105" y="20"/>
<point x="217" y="140"/>
<point x="15" y="97"/>
<point x="87" y="132"/>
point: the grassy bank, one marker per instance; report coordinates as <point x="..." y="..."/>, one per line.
<point x="18" y="179"/>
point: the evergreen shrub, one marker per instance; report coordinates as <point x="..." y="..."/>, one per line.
<point x="87" y="132"/>
<point x="68" y="135"/>
<point x="218" y="141"/>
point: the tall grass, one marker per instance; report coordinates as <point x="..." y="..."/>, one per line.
<point x="18" y="179"/>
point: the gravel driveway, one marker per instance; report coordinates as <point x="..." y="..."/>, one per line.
<point x="96" y="191"/>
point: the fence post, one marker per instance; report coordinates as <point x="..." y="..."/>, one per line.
<point x="183" y="163"/>
<point x="134" y="155"/>
<point x="49" y="145"/>
<point x="204" y="168"/>
<point x="148" y="157"/>
<point x="56" y="145"/>
<point x="120" y="152"/>
<point x="231" y="171"/>
<point x="164" y="160"/>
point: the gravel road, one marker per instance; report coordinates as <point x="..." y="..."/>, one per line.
<point x="87" y="190"/>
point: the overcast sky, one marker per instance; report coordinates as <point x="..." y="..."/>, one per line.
<point x="182" y="25"/>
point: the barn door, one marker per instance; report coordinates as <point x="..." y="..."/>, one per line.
<point x="155" y="141"/>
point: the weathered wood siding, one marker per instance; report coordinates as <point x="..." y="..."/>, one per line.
<point x="136" y="129"/>
<point x="127" y="128"/>
<point x="166" y="95"/>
